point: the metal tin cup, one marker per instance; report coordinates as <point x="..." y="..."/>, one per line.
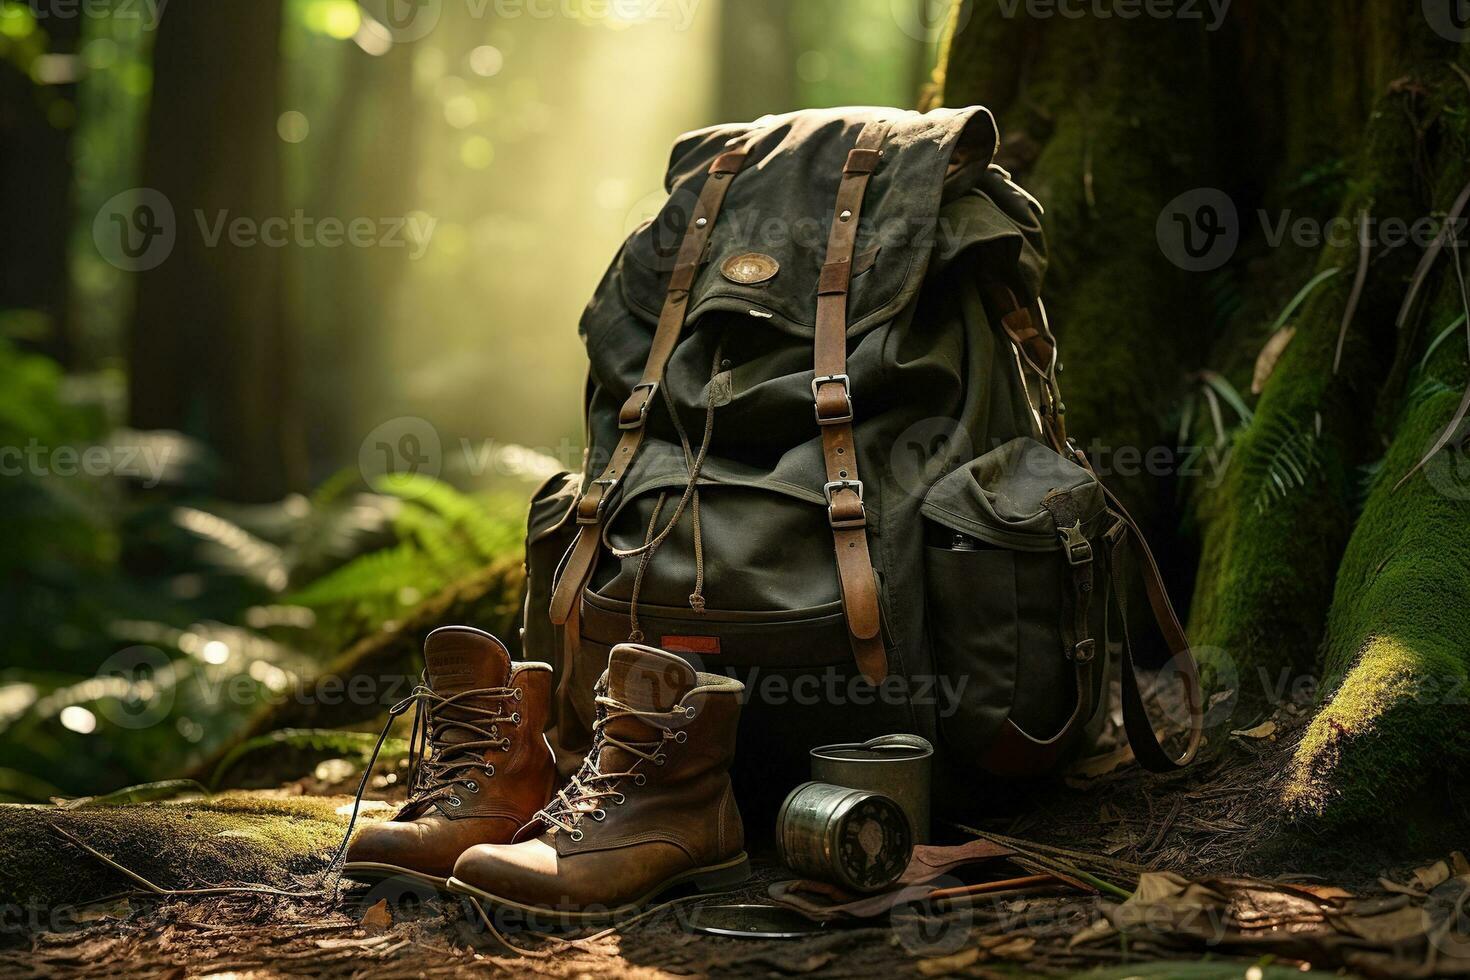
<point x="898" y="766"/>
<point x="849" y="837"/>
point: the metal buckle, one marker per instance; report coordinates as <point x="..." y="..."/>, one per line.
<point x="856" y="486"/>
<point x="841" y="379"/>
<point x="1079" y="549"/>
<point x="652" y="387"/>
<point x="596" y="516"/>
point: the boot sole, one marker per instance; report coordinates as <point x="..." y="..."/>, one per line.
<point x="710" y="878"/>
<point x="372" y="873"/>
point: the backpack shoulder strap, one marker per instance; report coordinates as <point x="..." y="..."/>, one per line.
<point x="1147" y="747"/>
<point x="633" y="416"/>
<point x="832" y="395"/>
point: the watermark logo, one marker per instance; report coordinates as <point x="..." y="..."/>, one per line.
<point x="1448" y="470"/>
<point x="135" y="230"/>
<point x="922" y="452"/>
<point x="405" y="20"/>
<point x="136" y="678"/>
<point x="925" y="926"/>
<point x="1450" y="19"/>
<point x="929" y="20"/>
<point x="1199" y="230"/>
<point x="403" y="446"/>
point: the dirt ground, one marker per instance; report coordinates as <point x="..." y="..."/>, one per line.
<point x="1214" y="821"/>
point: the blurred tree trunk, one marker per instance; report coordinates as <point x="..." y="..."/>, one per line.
<point x="757" y="71"/>
<point x="365" y="168"/>
<point x="1146" y="136"/>
<point x="211" y="346"/>
<point x="36" y="122"/>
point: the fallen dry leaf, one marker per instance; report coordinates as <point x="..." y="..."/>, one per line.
<point x="1265" y="729"/>
<point x="1099" y="930"/>
<point x="1269" y="355"/>
<point x="940" y="966"/>
<point x="1018" y="948"/>
<point x="1101" y="765"/>
<point x="377" y="918"/>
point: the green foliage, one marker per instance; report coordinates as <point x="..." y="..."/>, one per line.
<point x="198" y="612"/>
<point x="1288" y="459"/>
<point x="443" y="537"/>
<point x="357" y="746"/>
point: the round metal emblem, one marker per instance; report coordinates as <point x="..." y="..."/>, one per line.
<point x="750" y="268"/>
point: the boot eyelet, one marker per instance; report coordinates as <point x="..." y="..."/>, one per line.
<point x="619" y="799"/>
<point x="658" y="760"/>
<point x="472" y="786"/>
<point x="681" y="737"/>
<point x="575" y="835"/>
<point x="517" y="694"/>
<point x="453" y="800"/>
<point x="639" y="779"/>
<point x="689" y="712"/>
<point x="515" y="719"/>
<point x="599" y="814"/>
<point x="489" y="771"/>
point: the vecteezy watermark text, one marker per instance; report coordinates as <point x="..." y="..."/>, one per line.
<point x="1215" y="10"/>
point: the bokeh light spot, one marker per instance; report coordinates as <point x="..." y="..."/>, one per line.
<point x="77" y="719"/>
<point x="477" y="153"/>
<point x="486" y="61"/>
<point x="293" y="126"/>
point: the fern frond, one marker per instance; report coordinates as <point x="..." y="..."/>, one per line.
<point x="1288" y="457"/>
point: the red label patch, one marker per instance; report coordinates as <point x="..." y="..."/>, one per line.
<point x="691" y="644"/>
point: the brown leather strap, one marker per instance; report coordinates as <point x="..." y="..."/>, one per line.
<point x="633" y="416"/>
<point x="1147" y="747"/>
<point x="832" y="394"/>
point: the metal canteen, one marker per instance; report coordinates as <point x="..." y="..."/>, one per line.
<point x="898" y="766"/>
<point x="853" y="838"/>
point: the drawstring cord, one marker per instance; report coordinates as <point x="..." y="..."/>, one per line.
<point x="635" y="631"/>
<point x="430" y="773"/>
<point x="695" y="464"/>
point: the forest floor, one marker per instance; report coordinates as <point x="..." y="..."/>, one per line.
<point x="1225" y="892"/>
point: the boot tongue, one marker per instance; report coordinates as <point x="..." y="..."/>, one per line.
<point x="459" y="659"/>
<point x="647" y="679"/>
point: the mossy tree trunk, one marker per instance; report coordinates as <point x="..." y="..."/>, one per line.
<point x="1329" y="141"/>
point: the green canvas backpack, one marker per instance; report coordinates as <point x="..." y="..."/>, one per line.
<point x="826" y="452"/>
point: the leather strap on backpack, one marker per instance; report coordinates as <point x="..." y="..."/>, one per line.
<point x="1147" y="747"/>
<point x="633" y="416"/>
<point x="832" y="395"/>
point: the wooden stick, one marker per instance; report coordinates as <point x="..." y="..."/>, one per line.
<point x="986" y="887"/>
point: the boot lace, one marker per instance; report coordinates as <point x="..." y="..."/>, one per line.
<point x="584" y="792"/>
<point x="434" y="765"/>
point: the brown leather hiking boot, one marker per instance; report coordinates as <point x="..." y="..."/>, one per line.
<point x="486" y="767"/>
<point x="651" y="807"/>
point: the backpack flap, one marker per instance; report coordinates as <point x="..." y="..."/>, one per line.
<point x="767" y="253"/>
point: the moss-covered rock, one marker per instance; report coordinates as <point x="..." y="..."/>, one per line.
<point x="233" y="839"/>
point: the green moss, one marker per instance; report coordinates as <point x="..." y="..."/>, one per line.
<point x="231" y="839"/>
<point x="1396" y="661"/>
<point x="1267" y="571"/>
